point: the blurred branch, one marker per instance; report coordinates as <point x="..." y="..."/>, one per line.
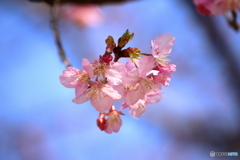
<point x="54" y="25"/>
<point x="219" y="41"/>
<point x="50" y="2"/>
<point x="232" y="21"/>
<point x="224" y="52"/>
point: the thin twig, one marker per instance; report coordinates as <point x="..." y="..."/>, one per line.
<point x="232" y="21"/>
<point x="54" y="26"/>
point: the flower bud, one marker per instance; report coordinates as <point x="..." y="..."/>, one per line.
<point x="101" y="121"/>
<point x="107" y="58"/>
<point x="126" y="37"/>
<point x="110" y="41"/>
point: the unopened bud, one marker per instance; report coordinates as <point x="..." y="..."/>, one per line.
<point x="101" y="121"/>
<point x="109" y="49"/>
<point x="126" y="37"/>
<point x="110" y="41"/>
<point x="107" y="58"/>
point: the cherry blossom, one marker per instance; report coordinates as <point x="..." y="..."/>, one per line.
<point x="138" y="82"/>
<point x="113" y="122"/>
<point x="83" y="15"/>
<point x="100" y="95"/>
<point x="216" y="7"/>
<point x="164" y="74"/>
<point x="137" y="109"/>
<point x="74" y="78"/>
<point x="161" y="47"/>
<point x="113" y="72"/>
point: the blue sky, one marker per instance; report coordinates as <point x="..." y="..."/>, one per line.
<point x="39" y="120"/>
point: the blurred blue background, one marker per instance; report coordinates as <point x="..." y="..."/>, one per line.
<point x="199" y="111"/>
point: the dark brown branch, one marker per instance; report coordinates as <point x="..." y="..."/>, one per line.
<point x="54" y="26"/>
<point x="232" y="21"/>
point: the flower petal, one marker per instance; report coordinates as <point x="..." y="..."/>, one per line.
<point x="164" y="43"/>
<point x="138" y="108"/>
<point x="69" y="77"/>
<point x="109" y="91"/>
<point x="101" y="104"/>
<point x="146" y="65"/>
<point x="87" y="66"/>
<point x="81" y="88"/>
<point x="132" y="96"/>
<point x="154" y="98"/>
<point x="115" y="73"/>
<point x="131" y="78"/>
<point x="81" y="99"/>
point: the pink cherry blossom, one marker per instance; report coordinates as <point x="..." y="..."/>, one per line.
<point x="83" y="15"/>
<point x="114" y="122"/>
<point x="100" y="95"/>
<point x="161" y="47"/>
<point x="137" y="81"/>
<point x="74" y="78"/>
<point x="164" y="74"/>
<point x="140" y="106"/>
<point x="114" y="71"/>
<point x="216" y="7"/>
<point x="137" y="109"/>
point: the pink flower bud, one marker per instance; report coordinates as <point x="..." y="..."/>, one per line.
<point x="101" y="121"/>
<point x="107" y="58"/>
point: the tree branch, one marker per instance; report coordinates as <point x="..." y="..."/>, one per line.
<point x="54" y="26"/>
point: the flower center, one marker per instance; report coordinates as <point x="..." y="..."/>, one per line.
<point x="162" y="59"/>
<point x="93" y="92"/>
<point x="99" y="68"/>
<point x="147" y="83"/>
<point x="81" y="77"/>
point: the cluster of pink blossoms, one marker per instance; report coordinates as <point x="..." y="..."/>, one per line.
<point x="216" y="7"/>
<point x="137" y="83"/>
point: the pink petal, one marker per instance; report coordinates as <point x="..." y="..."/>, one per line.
<point x="81" y="88"/>
<point x="138" y="108"/>
<point x="131" y="78"/>
<point x="87" y="66"/>
<point x="69" y="77"/>
<point x="130" y="65"/>
<point x="108" y="90"/>
<point x="120" y="89"/>
<point x="124" y="106"/>
<point x="115" y="73"/>
<point x="81" y="99"/>
<point x="132" y="96"/>
<point x="114" y="123"/>
<point x="164" y="43"/>
<point x="154" y="98"/>
<point x="146" y="65"/>
<point x="84" y="15"/>
<point x="101" y="104"/>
